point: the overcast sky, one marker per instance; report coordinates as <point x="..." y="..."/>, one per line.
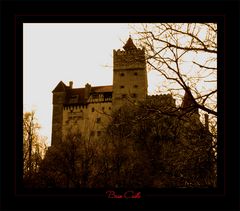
<point x="81" y="53"/>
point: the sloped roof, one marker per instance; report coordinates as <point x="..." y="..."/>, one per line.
<point x="129" y="45"/>
<point x="187" y="99"/>
<point x="102" y="89"/>
<point x="80" y="92"/>
<point x="61" y="87"/>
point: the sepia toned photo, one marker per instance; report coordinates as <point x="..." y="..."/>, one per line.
<point x="124" y="105"/>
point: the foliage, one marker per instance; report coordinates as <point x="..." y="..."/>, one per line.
<point x="145" y="145"/>
<point x="176" y="151"/>
<point x="70" y="164"/>
<point x="34" y="147"/>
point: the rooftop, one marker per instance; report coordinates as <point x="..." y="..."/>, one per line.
<point x="129" y="45"/>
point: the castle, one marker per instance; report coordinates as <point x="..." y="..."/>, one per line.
<point x="87" y="109"/>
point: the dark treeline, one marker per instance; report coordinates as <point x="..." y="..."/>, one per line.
<point x="147" y="145"/>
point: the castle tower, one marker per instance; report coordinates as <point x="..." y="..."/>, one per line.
<point x="188" y="103"/>
<point x="59" y="94"/>
<point x="189" y="108"/>
<point x="129" y="75"/>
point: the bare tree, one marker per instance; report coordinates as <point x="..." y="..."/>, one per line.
<point x="34" y="146"/>
<point x="185" y="54"/>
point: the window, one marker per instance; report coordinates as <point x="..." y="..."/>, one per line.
<point x="121" y="87"/>
<point x="95" y="96"/>
<point x="92" y="109"/>
<point x="103" y="108"/>
<point x="134" y="95"/>
<point x="122" y="74"/>
<point x="98" y="133"/>
<point x="109" y="108"/>
<point x="124" y="95"/>
<point x="73" y="99"/>
<point x="92" y="133"/>
<point x="98" y="120"/>
<point x="75" y="115"/>
<point x="135" y="86"/>
<point x="135" y="73"/>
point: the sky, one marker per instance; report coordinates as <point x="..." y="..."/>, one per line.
<point x="78" y="52"/>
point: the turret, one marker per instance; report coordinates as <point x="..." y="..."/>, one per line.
<point x="129" y="74"/>
<point x="70" y="84"/>
<point x="206" y="122"/>
<point x="87" y="91"/>
<point x="59" y="95"/>
<point x="188" y="103"/>
<point x="189" y="107"/>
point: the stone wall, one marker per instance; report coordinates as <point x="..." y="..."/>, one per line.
<point x="134" y="59"/>
<point x="89" y="120"/>
<point x="129" y="77"/>
<point x="57" y="117"/>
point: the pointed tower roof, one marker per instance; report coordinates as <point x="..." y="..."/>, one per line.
<point x="187" y="99"/>
<point x="61" y="87"/>
<point x="129" y="45"/>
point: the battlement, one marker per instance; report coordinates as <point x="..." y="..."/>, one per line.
<point x="160" y="95"/>
<point x="131" y="59"/>
<point x="132" y="51"/>
<point x="166" y="99"/>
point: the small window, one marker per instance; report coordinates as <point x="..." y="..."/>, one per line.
<point x="124" y="95"/>
<point x="121" y="87"/>
<point x="92" y="133"/>
<point x="135" y="73"/>
<point x="103" y="108"/>
<point x="98" y="133"/>
<point x="95" y="95"/>
<point x="109" y="108"/>
<point x="92" y="109"/>
<point x="122" y="74"/>
<point x="135" y="86"/>
<point x="73" y="99"/>
<point x="134" y="95"/>
<point x="98" y="120"/>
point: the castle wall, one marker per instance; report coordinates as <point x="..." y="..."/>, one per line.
<point x="89" y="120"/>
<point x="130" y="85"/>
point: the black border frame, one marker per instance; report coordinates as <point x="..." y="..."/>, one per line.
<point x="15" y="13"/>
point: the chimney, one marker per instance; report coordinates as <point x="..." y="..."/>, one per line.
<point x="87" y="91"/>
<point x="206" y="121"/>
<point x="70" y="84"/>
